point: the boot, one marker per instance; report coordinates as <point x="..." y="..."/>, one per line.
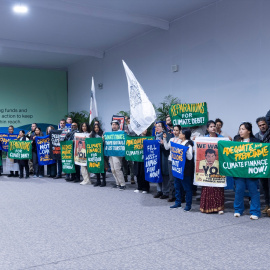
<point x="11" y="174"/>
<point x="16" y="174"/>
<point x="264" y="211"/>
<point x="98" y="183"/>
<point x="103" y="179"/>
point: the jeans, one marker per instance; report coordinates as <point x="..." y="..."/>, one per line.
<point x="163" y="186"/>
<point x="171" y="180"/>
<point x="252" y="185"/>
<point x="59" y="168"/>
<point x="186" y="183"/>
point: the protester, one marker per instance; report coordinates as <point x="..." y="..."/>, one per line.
<point x="84" y="129"/>
<point x="143" y="185"/>
<point x="212" y="198"/>
<point x="163" y="188"/>
<point x="116" y="163"/>
<point x="38" y="169"/>
<point x="12" y="164"/>
<point x="30" y="135"/>
<point x="186" y="182"/>
<point x="167" y="146"/>
<point x="219" y="125"/>
<point x="169" y="124"/>
<point x="75" y="177"/>
<point x="24" y="162"/>
<point x="264" y="136"/>
<point x="51" y="168"/>
<point x="98" y="133"/>
<point x="246" y="135"/>
<point x="69" y="120"/>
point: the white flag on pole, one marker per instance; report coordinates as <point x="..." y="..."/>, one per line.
<point x="93" y="103"/>
<point x="142" y="112"/>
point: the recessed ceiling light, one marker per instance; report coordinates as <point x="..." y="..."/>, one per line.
<point x="22" y="9"/>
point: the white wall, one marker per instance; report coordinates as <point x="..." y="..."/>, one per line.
<point x="223" y="53"/>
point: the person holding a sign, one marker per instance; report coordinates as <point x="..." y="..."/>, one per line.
<point x="12" y="164"/>
<point x="246" y="135"/>
<point x="212" y="198"/>
<point x="23" y="163"/>
<point x="51" y="168"/>
<point x="38" y="169"/>
<point x="167" y="146"/>
<point x="186" y="182"/>
<point x="163" y="187"/>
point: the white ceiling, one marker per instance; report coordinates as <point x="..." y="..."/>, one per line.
<point x="57" y="33"/>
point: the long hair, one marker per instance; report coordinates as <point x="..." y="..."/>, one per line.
<point x="93" y="133"/>
<point x="87" y="127"/>
<point x="248" y="126"/>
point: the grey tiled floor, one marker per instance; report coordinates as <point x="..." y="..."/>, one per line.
<point x="51" y="224"/>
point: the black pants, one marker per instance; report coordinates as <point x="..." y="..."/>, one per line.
<point x="103" y="176"/>
<point x="38" y="170"/>
<point x="266" y="189"/>
<point x="76" y="175"/>
<point x="142" y="183"/>
<point x="26" y="170"/>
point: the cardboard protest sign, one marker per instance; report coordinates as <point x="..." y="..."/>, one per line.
<point x="67" y="157"/>
<point x="243" y="159"/>
<point x="19" y="149"/>
<point x="43" y="150"/>
<point x="189" y="115"/>
<point x="178" y="154"/>
<point x="114" y="144"/>
<point x="79" y="149"/>
<point x="207" y="163"/>
<point x="95" y="155"/>
<point x="134" y="147"/>
<point x="152" y="165"/>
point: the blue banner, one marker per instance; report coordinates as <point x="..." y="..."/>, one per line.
<point x="151" y="151"/>
<point x="178" y="154"/>
<point x="4" y="139"/>
<point x="43" y="150"/>
<point x="114" y="144"/>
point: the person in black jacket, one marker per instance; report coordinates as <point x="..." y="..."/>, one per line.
<point x="24" y="162"/>
<point x="38" y="169"/>
<point x="246" y="135"/>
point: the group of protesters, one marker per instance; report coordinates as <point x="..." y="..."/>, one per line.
<point x="172" y="189"/>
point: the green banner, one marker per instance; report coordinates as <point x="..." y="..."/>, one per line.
<point x="134" y="148"/>
<point x="94" y="155"/>
<point x="189" y="115"/>
<point x="67" y="157"/>
<point x="242" y="159"/>
<point x="19" y="149"/>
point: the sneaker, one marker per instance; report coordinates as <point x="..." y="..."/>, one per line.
<point x="171" y="199"/>
<point x="187" y="209"/>
<point x="164" y="197"/>
<point x="144" y="192"/>
<point x="176" y="206"/>
<point x="136" y="191"/>
<point x="221" y="212"/>
<point x="264" y="211"/>
<point x="84" y="182"/>
<point x="158" y="195"/>
<point x="122" y="188"/>
<point x="41" y="176"/>
<point x="253" y="217"/>
<point x="115" y="186"/>
<point x="268" y="212"/>
<point x="236" y="215"/>
<point x="34" y="176"/>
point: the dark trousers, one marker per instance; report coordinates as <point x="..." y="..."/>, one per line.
<point x="142" y="183"/>
<point x="51" y="170"/>
<point x="171" y="181"/>
<point x="26" y="170"/>
<point x="38" y="170"/>
<point x="265" y="184"/>
<point x="186" y="184"/>
<point x="76" y="175"/>
<point x="59" y="168"/>
<point x="103" y="176"/>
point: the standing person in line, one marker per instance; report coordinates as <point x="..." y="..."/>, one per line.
<point x="24" y="162"/>
<point x="75" y="177"/>
<point x="169" y="125"/>
<point x="219" y="125"/>
<point x="12" y="164"/>
<point x="116" y="163"/>
<point x="51" y="168"/>
<point x="98" y="133"/>
<point x="162" y="188"/>
<point x="30" y="135"/>
<point x="264" y="136"/>
<point x="85" y="129"/>
<point x="62" y="137"/>
<point x="186" y="182"/>
<point x="167" y="146"/>
<point x="38" y="169"/>
<point x="143" y="185"/>
<point x="212" y="198"/>
<point x="246" y="135"/>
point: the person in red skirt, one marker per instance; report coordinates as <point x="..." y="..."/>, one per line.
<point x="212" y="198"/>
